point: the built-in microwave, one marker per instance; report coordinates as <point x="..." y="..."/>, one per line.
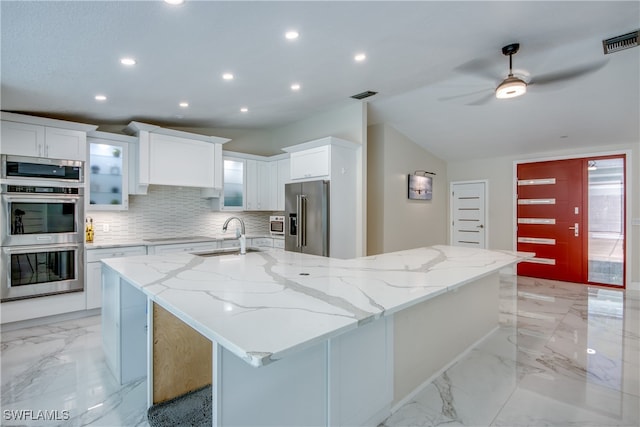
<point x="276" y="225"/>
<point x="36" y="168"/>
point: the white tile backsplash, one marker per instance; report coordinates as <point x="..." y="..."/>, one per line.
<point x="170" y="212"/>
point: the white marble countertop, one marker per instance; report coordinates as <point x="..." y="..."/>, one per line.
<point x="265" y="305"/>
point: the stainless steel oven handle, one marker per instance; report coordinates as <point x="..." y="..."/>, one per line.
<point x="38" y="248"/>
<point x="48" y="199"/>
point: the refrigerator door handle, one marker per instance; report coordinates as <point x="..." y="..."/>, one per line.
<point x="299" y="221"/>
<point x="303" y="220"/>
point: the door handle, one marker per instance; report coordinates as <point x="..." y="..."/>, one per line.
<point x="480" y="226"/>
<point x="576" y="229"/>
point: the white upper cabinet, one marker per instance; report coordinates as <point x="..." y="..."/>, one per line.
<point x="321" y="158"/>
<point x="22" y="139"/>
<point x="283" y="170"/>
<point x="40" y="137"/>
<point x="108" y="171"/>
<point x="258" y="186"/>
<point x="311" y="163"/>
<point x="253" y="183"/>
<point x="65" y="144"/>
<point x="169" y="157"/>
<point x="234" y="188"/>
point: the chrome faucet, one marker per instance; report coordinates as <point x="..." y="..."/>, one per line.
<point x="241" y="237"/>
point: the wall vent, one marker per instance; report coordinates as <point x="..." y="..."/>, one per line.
<point x="364" y="94"/>
<point x="619" y="43"/>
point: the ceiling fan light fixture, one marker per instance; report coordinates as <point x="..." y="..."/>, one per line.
<point x="510" y="88"/>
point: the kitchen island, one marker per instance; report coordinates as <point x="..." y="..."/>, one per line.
<point x="297" y="339"/>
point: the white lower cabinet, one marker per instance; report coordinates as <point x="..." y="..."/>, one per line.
<point x="230" y="243"/>
<point x="93" y="282"/>
<point x="261" y="242"/>
<point x="182" y="248"/>
<point x="278" y="243"/>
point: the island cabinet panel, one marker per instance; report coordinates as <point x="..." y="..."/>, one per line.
<point x="344" y="381"/>
<point x="360" y="375"/>
<point x="291" y="392"/>
<point x="124" y="327"/>
<point x="431" y="336"/>
<point x="181" y="357"/>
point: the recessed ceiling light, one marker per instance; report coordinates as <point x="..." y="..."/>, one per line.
<point x="291" y="35"/>
<point x="174" y="2"/>
<point x="227" y="76"/>
<point x="244" y="110"/>
<point x="184" y="104"/>
<point x="295" y="86"/>
<point x="100" y="98"/>
<point x="128" y="61"/>
<point x="360" y="57"/>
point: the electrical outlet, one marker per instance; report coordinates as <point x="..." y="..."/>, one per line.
<point x="105" y="227"/>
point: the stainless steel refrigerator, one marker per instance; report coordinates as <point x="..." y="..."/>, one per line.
<point x="307" y="217"/>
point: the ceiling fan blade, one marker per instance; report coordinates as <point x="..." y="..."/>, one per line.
<point x="484" y="100"/>
<point x="463" y="95"/>
<point x="568" y="74"/>
<point x="480" y="67"/>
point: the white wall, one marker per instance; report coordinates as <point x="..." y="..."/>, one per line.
<point x="499" y="172"/>
<point x="395" y="222"/>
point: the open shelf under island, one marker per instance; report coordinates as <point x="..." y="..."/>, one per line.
<point x="291" y="339"/>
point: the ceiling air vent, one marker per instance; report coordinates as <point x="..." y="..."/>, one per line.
<point x="364" y="94"/>
<point x="622" y="42"/>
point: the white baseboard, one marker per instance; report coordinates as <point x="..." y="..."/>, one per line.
<point x="409" y="397"/>
<point x="29" y="323"/>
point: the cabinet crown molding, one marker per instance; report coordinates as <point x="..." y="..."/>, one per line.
<point x="134" y="128"/>
<point x="44" y="121"/>
<point x="111" y="136"/>
<point x="328" y="140"/>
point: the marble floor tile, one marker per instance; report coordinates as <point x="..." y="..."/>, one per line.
<point x="56" y="375"/>
<point x="569" y="358"/>
<point x="565" y="355"/>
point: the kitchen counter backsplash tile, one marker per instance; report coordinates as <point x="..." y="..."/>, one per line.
<point x="168" y="212"/>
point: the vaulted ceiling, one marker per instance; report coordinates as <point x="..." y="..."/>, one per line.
<point x="434" y="65"/>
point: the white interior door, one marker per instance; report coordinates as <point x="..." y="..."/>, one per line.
<point x="468" y="214"/>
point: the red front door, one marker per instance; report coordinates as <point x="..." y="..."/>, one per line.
<point x="550" y="214"/>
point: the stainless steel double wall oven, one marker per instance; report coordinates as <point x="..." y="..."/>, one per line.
<point x="41" y="227"/>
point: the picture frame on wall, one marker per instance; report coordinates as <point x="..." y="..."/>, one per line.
<point x="420" y="187"/>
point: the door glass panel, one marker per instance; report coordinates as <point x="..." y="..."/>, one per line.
<point x="42" y="218"/>
<point x="42" y="267"/>
<point x="106" y="167"/>
<point x="233" y="183"/>
<point x="606" y="221"/>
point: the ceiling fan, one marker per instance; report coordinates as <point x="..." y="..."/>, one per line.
<point x="513" y="86"/>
